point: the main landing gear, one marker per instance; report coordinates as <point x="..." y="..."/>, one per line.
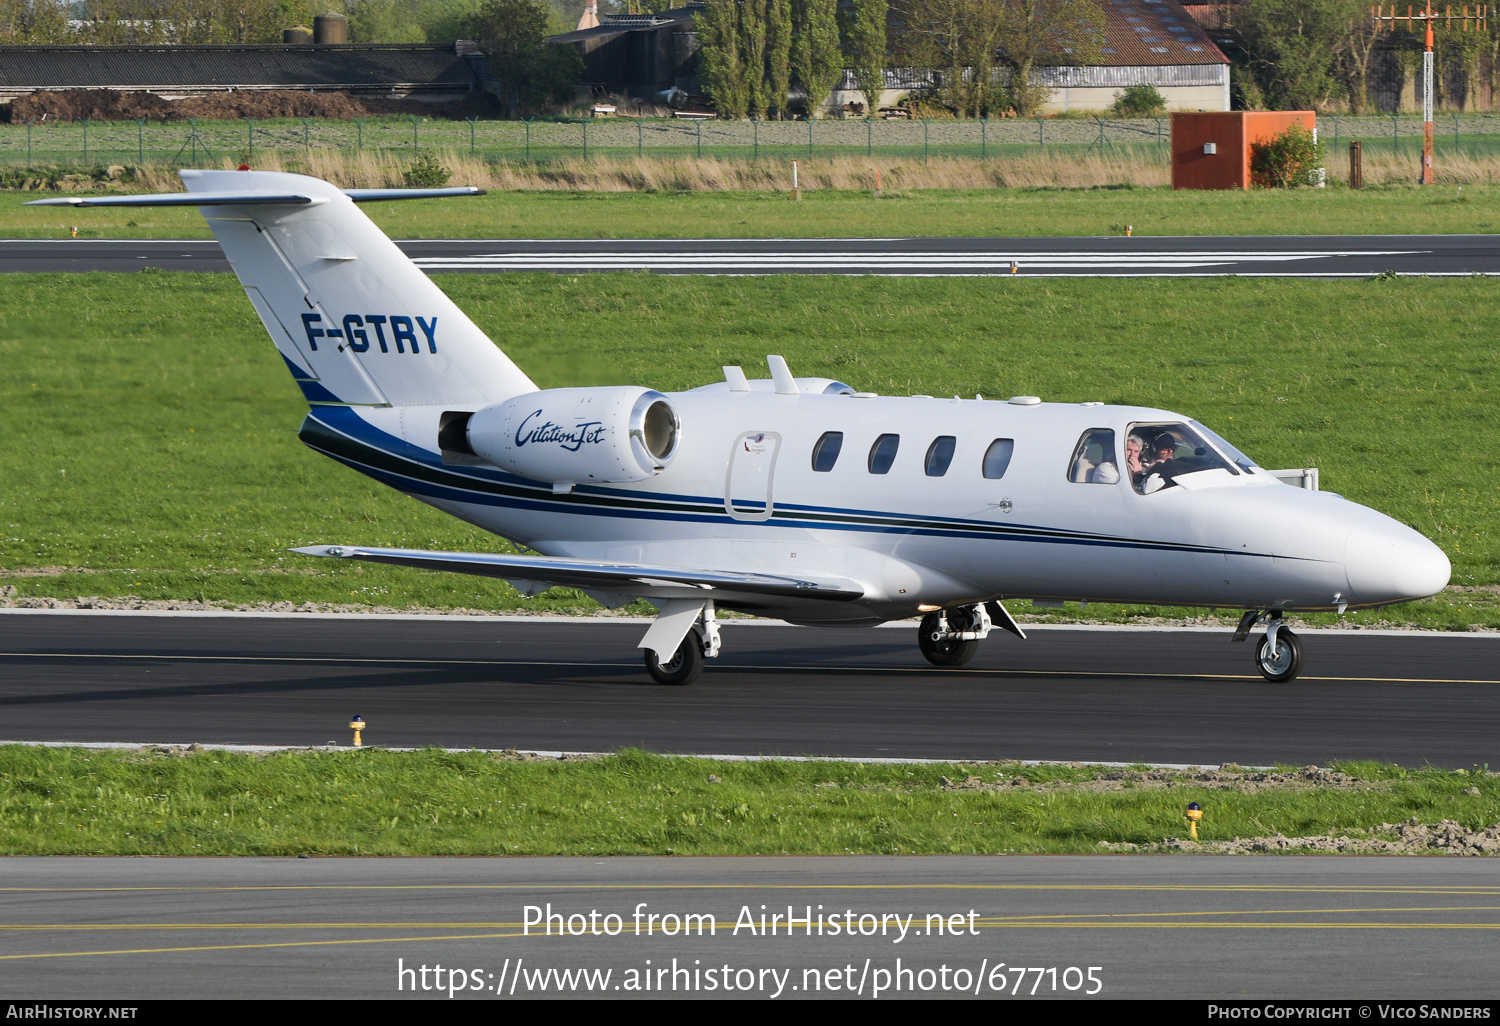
<point x="950" y="637"/>
<point x="701" y="642"/>
<point x="1278" y="654"/>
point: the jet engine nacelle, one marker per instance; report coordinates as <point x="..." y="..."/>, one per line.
<point x="569" y="435"/>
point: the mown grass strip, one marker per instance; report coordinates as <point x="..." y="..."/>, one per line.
<point x="431" y="802"/>
<point x="1036" y="211"/>
<point x="150" y="445"/>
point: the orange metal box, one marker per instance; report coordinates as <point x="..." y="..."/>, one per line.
<point x="1211" y="149"/>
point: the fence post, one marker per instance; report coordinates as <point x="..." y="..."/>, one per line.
<point x="528" y="122"/>
<point x="1395" y="139"/>
<point x="1455" y="133"/>
<point x="29" y="123"/>
<point x="85" y="122"/>
<point x="640" y="134"/>
<point x="140" y="141"/>
<point x="585" y="139"/>
<point x="306" y="132"/>
<point x="1356" y="165"/>
<point x="925" y="122"/>
<point x="984" y="138"/>
<point x="1335" y="131"/>
<point x="359" y="138"/>
<point x="809" y="136"/>
<point x="414" y="123"/>
<point x="1158" y="121"/>
<point x="1040" y="138"/>
<point x="755" y="123"/>
<point x="472" y="122"/>
<point x="869" y="138"/>
<point x="250" y="138"/>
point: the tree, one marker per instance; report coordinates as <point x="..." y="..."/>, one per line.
<point x="720" y="65"/>
<point x="752" y="43"/>
<point x="864" y="45"/>
<point x="528" y="68"/>
<point x="33" y="21"/>
<point x="817" y="58"/>
<point x="1034" y="34"/>
<point x="1294" y="47"/>
<point x="778" y="55"/>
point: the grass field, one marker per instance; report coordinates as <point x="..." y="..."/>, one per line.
<point x="580" y="211"/>
<point x="150" y="446"/>
<point x="79" y="802"/>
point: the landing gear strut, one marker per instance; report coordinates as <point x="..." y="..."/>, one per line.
<point x="950" y="637"/>
<point x="1278" y="654"/>
<point x="701" y="642"/>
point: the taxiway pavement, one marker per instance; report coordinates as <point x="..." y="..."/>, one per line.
<point x="1162" y="696"/>
<point x="1241" y="927"/>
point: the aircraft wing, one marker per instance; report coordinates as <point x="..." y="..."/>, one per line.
<point x="658" y="582"/>
<point x="248" y="198"/>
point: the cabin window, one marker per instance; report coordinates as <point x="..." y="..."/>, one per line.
<point x="883" y="453"/>
<point x="997" y="458"/>
<point x="826" y="452"/>
<point x="1156" y="455"/>
<point x="1094" y="458"/>
<point x="939" y="455"/>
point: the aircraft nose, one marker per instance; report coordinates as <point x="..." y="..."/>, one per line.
<point x="1393" y="563"/>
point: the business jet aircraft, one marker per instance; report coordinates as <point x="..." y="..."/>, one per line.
<point x="792" y="497"/>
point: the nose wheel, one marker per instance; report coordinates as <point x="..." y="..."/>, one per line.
<point x="1278" y="653"/>
<point x="1279" y="660"/>
<point x="685" y="666"/>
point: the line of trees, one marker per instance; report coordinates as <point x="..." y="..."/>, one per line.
<point x="983" y="52"/>
<point x="1316" y="54"/>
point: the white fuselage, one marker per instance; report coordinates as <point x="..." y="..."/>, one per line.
<point x="732" y="499"/>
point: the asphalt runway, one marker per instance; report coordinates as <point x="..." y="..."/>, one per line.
<point x="1276" y="256"/>
<point x="1247" y="928"/>
<point x="1161" y="696"/>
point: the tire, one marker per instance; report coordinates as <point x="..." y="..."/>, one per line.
<point x="683" y="668"/>
<point x="1285" y="663"/>
<point x="943" y="653"/>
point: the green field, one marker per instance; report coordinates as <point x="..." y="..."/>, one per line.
<point x="150" y="439"/>
<point x="80" y="802"/>
<point x="918" y="212"/>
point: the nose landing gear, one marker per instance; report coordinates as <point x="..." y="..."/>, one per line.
<point x="1278" y="654"/>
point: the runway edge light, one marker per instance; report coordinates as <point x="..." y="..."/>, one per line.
<point x="357" y="724"/>
<point x="1194" y="813"/>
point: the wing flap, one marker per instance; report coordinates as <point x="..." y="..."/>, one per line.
<point x="635" y="579"/>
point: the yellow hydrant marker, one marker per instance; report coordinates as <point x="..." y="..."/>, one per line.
<point x="358" y="724"/>
<point x="1193" y="814"/>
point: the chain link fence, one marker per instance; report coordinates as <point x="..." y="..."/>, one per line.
<point x="182" y="143"/>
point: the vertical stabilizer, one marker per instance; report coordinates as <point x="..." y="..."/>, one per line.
<point x="356" y="321"/>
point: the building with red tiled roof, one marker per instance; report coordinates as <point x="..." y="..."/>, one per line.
<point x="1146" y="42"/>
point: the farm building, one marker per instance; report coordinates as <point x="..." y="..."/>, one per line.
<point x="439" y="73"/>
<point x="1147" y="42"/>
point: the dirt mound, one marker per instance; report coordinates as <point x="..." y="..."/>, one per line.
<point x="113" y="105"/>
<point x="1413" y="837"/>
<point x="1241" y="780"/>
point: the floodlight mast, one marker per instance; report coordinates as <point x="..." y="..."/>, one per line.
<point x="1427" y="17"/>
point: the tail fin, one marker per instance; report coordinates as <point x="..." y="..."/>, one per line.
<point x="356" y="321"/>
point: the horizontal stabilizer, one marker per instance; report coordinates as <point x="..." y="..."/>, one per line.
<point x="182" y="199"/>
<point x="371" y="195"/>
<point x="222" y="199"/>
<point x="634" y="579"/>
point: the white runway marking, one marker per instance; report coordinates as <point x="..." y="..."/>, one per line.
<point x="888" y="262"/>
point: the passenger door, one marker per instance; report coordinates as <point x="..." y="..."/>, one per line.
<point x="752" y="467"/>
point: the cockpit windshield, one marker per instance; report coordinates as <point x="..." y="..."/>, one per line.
<point x="1156" y="455"/>
<point x="1240" y="459"/>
